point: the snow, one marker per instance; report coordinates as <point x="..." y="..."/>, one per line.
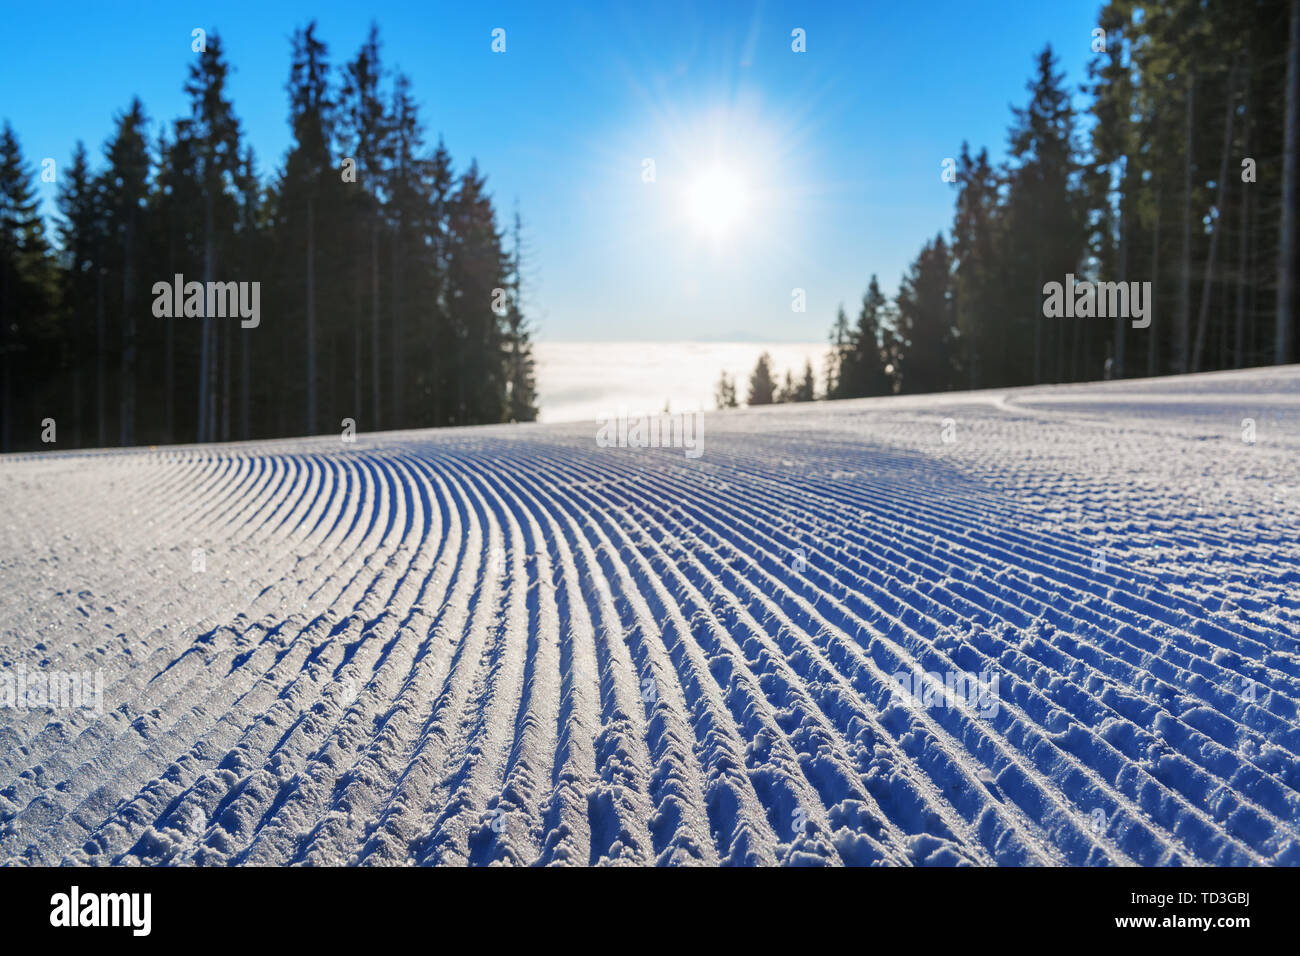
<point x="510" y="645"/>
<point x="578" y="381"/>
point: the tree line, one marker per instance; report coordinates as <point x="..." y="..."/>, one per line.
<point x="388" y="294"/>
<point x="1181" y="172"/>
<point x="765" y="388"/>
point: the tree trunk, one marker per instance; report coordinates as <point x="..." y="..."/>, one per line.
<point x="398" y="407"/>
<point x="76" y="386"/>
<point x="374" y="314"/>
<point x="1117" y="366"/>
<point x="250" y="250"/>
<point x="226" y="332"/>
<point x="205" y="332"/>
<point x="1203" y="313"/>
<point x="1243" y="270"/>
<point x="6" y="367"/>
<point x="311" y="316"/>
<point x="1286" y="241"/>
<point x="1185" y="266"/>
<point x="126" y="393"/>
<point x="244" y="381"/>
<point x="1153" y="340"/>
<point x="169" y="368"/>
<point x="1038" y="327"/>
<point x="359" y="301"/>
<point x="100" y="349"/>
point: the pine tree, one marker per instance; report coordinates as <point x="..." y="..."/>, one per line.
<point x="412" y="255"/>
<point x="807" y="388"/>
<point x="1287" y="227"/>
<point x="978" y="282"/>
<point x="80" y="222"/>
<point x="1108" y="182"/>
<point x="251" y="234"/>
<point x="928" y="335"/>
<point x="724" y="393"/>
<point x="521" y="393"/>
<point x="787" y="391"/>
<point x="443" y="345"/>
<point x="366" y="138"/>
<point x="868" y="365"/>
<point x="1045" y="232"/>
<point x="125" y="188"/>
<point x="179" y="219"/>
<point x="310" y="191"/>
<point x="477" y="301"/>
<point x="211" y="141"/>
<point x="839" y="372"/>
<point x="28" y="293"/>
<point x="762" y="387"/>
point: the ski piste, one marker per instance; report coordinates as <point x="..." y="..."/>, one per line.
<point x="512" y="644"/>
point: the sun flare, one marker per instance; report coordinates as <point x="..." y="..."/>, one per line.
<point x="716" y="201"/>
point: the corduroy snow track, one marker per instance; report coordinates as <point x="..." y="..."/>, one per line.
<point x="507" y="644"/>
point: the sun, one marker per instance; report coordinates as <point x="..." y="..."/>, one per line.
<point x="716" y="201"/>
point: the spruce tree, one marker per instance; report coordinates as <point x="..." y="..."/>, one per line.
<point x="310" y="192"/>
<point x="807" y="388"/>
<point x="521" y="392"/>
<point x="211" y="142"/>
<point x="979" y="302"/>
<point x="724" y="392"/>
<point x="868" y="344"/>
<point x="125" y="187"/>
<point x="1045" y="232"/>
<point x="762" y="387"/>
<point x="28" y="297"/>
<point x="928" y="334"/>
<point x="79" y="225"/>
<point x="366" y="138"/>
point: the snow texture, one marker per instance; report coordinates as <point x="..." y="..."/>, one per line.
<point x="508" y="645"/>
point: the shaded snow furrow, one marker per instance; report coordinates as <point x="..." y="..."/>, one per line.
<point x="510" y="645"/>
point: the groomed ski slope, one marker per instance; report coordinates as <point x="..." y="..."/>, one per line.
<point x="508" y="645"/>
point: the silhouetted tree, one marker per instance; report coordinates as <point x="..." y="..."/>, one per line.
<point x="762" y="387"/>
<point x="724" y="393"/>
<point x="29" y="326"/>
<point x="926" y="329"/>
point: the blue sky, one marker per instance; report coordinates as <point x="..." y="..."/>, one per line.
<point x="774" y="170"/>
